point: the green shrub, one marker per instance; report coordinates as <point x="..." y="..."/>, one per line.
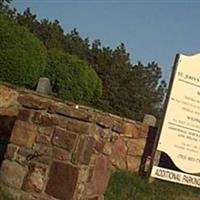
<point x="129" y="186"/>
<point x="22" y="55"/>
<point x="72" y="79"/>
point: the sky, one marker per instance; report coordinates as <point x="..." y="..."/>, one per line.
<point x="152" y="30"/>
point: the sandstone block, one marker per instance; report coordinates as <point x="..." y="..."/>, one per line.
<point x="34" y="181"/>
<point x="144" y="129"/>
<point x="60" y="154"/>
<point x="100" y="177"/>
<point x="46" y="130"/>
<point x="108" y="148"/>
<point x="62" y="181"/>
<point x="43" y="139"/>
<point x="25" y="114"/>
<point x="97" y="198"/>
<point x="11" y="151"/>
<point x="23" y="133"/>
<point x="43" y="160"/>
<point x="133" y="163"/>
<point x="131" y="130"/>
<point x="99" y="146"/>
<point x="136" y="146"/>
<point x="74" y="112"/>
<point x="42" y="150"/>
<point x="78" y="126"/>
<point x="104" y="121"/>
<point x="118" y="155"/>
<point x="34" y="101"/>
<point x="118" y="127"/>
<point x="64" y="139"/>
<point x="60" y="121"/>
<point x="84" y="150"/>
<point x="12" y="174"/>
<point x="9" y="105"/>
<point x="43" y="119"/>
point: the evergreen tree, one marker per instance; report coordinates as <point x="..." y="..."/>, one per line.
<point x="128" y="90"/>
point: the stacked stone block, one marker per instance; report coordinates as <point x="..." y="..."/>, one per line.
<point x="60" y="150"/>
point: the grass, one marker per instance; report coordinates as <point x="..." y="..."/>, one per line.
<point x="129" y="186"/>
<point x="4" y="195"/>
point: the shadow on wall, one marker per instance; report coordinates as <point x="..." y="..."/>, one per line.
<point x="6" y="125"/>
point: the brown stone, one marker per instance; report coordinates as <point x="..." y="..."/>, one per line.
<point x="34" y="181"/>
<point x="108" y="148"/>
<point x="34" y="101"/>
<point x="94" y="198"/>
<point x="78" y="126"/>
<point x="64" y="139"/>
<point x="60" y="121"/>
<point x="73" y="112"/>
<point x="23" y="133"/>
<point x="62" y="181"/>
<point x="97" y="198"/>
<point x="118" y="127"/>
<point x="25" y="114"/>
<point x="80" y="191"/>
<point x="136" y="146"/>
<point x="43" y="119"/>
<point x="42" y="150"/>
<point x="103" y="133"/>
<point x="40" y="153"/>
<point x="104" y="121"/>
<point x="12" y="174"/>
<point x="83" y="174"/>
<point x="46" y="130"/>
<point x="35" y="196"/>
<point x="84" y="150"/>
<point x="99" y="146"/>
<point x="60" y="154"/>
<point x="9" y="105"/>
<point x="44" y="160"/>
<point x="21" y="160"/>
<point x="11" y="151"/>
<point x="133" y="163"/>
<point x="144" y="129"/>
<point x="25" y="151"/>
<point x="43" y="139"/>
<point x="118" y="155"/>
<point x="100" y="177"/>
<point x="131" y="130"/>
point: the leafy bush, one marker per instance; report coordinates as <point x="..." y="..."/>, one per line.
<point x="129" y="186"/>
<point x="22" y="55"/>
<point x="72" y="79"/>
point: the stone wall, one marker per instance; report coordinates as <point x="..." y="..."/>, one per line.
<point x="60" y="150"/>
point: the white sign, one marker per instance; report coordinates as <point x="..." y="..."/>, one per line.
<point x="177" y="177"/>
<point x="180" y="131"/>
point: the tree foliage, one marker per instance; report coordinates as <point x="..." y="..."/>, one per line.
<point x="72" y="78"/>
<point x="22" y="55"/>
<point x="129" y="90"/>
<point x="3" y="2"/>
<point x="51" y="33"/>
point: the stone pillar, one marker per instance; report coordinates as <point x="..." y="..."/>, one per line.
<point x="149" y="120"/>
<point x="44" y="86"/>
